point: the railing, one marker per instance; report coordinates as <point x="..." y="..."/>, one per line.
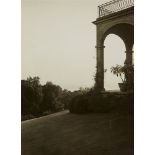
<point x="114" y="6"/>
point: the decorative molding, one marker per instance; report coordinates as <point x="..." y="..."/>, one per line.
<point x="129" y="51"/>
<point x="100" y="47"/>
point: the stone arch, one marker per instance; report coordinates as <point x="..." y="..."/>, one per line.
<point x="113" y="54"/>
<point x="102" y="27"/>
<point x="126" y="33"/>
<point x="124" y="30"/>
<point x="120" y="23"/>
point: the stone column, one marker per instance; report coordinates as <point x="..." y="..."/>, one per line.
<point x="129" y="77"/>
<point x="128" y="60"/>
<point x="100" y="68"/>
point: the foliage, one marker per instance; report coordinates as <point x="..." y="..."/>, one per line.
<point x="123" y="71"/>
<point x="65" y="98"/>
<point x="31" y="95"/>
<point x="117" y="70"/>
<point x="37" y="100"/>
<point x="94" y="103"/>
<point x="51" y="94"/>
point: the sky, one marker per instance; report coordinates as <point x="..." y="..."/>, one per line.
<point x="58" y="43"/>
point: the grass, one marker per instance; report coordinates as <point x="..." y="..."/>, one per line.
<point x="72" y="134"/>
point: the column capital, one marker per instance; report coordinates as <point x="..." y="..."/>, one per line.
<point x="129" y="51"/>
<point x="99" y="47"/>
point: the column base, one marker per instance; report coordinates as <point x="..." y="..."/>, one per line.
<point x="103" y="90"/>
<point x="99" y="90"/>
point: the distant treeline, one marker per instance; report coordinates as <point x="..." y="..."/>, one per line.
<point x="38" y="100"/>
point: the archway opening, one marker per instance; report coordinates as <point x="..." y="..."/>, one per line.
<point x="114" y="53"/>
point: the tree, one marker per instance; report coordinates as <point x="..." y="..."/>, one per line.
<point x="31" y="95"/>
<point x="51" y="94"/>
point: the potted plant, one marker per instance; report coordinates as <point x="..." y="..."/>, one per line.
<point x="126" y="73"/>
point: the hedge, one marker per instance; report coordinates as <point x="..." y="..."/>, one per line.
<point x="101" y="103"/>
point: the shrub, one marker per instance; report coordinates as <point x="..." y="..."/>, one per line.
<point x="101" y="103"/>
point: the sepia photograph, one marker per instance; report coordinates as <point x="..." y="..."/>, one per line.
<point x="71" y="83"/>
<point x="77" y="77"/>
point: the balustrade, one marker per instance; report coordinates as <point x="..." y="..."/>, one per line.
<point x="114" y="6"/>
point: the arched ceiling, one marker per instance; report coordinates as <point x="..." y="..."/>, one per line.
<point x="124" y="31"/>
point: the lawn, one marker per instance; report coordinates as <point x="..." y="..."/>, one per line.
<point x="72" y="134"/>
